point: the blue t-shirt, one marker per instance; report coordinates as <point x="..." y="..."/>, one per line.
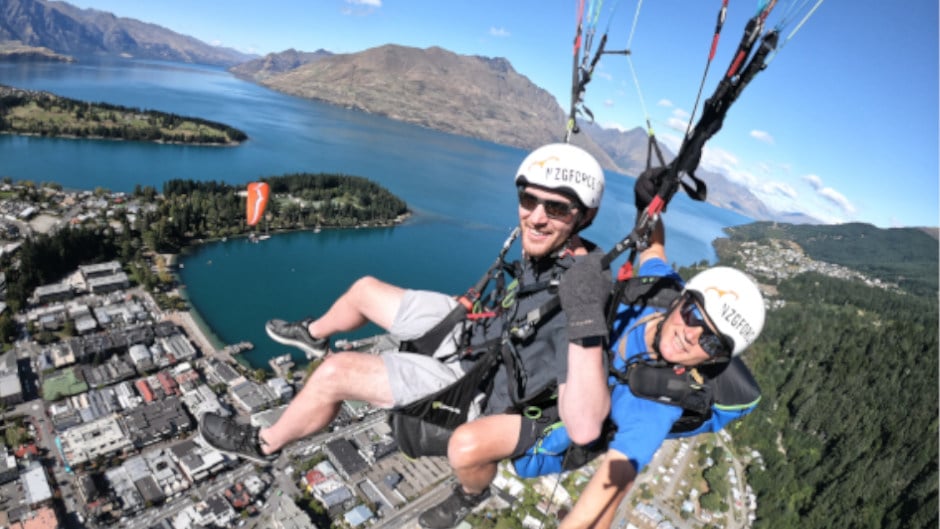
<point x="642" y="424"/>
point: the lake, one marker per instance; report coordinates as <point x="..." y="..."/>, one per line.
<point x="460" y="190"/>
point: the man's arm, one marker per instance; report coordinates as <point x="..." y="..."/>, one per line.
<point x="657" y="244"/>
<point x="600" y="498"/>
<point x="584" y="399"/>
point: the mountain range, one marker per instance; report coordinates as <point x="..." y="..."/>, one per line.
<point x="475" y="96"/>
<point x="69" y="30"/>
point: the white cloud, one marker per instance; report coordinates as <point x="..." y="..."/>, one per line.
<point x="361" y="7"/>
<point x="829" y="194"/>
<point x="677" y="124"/>
<point x="681" y="114"/>
<point x="715" y="159"/>
<point x="783" y="198"/>
<point x="813" y="181"/>
<point x="609" y="102"/>
<point x="671" y="141"/>
<point x="762" y="136"/>
<point x="678" y="120"/>
<point x="613" y="125"/>
<point x="780" y="189"/>
<point x="499" y="32"/>
<point x="664" y="103"/>
<point x="837" y="198"/>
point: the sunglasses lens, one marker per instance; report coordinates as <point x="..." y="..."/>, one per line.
<point x="556" y="209"/>
<point x="553" y="208"/>
<point x="692" y="316"/>
<point x="710" y="342"/>
<point x="528" y="201"/>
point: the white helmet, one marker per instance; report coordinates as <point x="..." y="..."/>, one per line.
<point x="564" y="167"/>
<point x="733" y="303"/>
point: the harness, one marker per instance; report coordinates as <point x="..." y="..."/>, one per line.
<point x="423" y="427"/>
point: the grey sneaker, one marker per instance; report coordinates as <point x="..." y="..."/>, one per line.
<point x="295" y="334"/>
<point x="233" y="438"/>
<point x="452" y="510"/>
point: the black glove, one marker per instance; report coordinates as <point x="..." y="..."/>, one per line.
<point x="647" y="184"/>
<point x="583" y="292"/>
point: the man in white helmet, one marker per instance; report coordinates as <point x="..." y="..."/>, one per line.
<point x="662" y="358"/>
<point x="559" y="188"/>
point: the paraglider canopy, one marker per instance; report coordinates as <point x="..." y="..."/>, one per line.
<point x="257" y="200"/>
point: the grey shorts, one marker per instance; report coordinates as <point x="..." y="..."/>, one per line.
<point x="411" y="375"/>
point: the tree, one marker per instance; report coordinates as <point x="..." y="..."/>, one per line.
<point x="711" y="501"/>
<point x="8" y="329"/>
<point x="69" y="328"/>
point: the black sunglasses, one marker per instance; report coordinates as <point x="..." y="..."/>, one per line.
<point x="715" y="345"/>
<point x="554" y="209"/>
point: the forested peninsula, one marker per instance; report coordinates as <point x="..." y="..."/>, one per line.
<point x="847" y="425"/>
<point x="190" y="211"/>
<point x="44" y="114"/>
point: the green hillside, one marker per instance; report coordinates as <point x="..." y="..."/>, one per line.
<point x="848" y="425"/>
<point x="46" y="114"/>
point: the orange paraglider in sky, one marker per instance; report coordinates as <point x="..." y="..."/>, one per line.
<point x="257" y="200"/>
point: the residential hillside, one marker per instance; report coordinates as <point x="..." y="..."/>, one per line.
<point x="906" y="257"/>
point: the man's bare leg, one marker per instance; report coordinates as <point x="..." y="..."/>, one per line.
<point x="367" y="300"/>
<point x="476" y="448"/>
<point x="341" y="376"/>
<point x="474" y="451"/>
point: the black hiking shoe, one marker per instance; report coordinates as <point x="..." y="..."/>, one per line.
<point x="295" y="333"/>
<point x="233" y="438"/>
<point x="452" y="510"/>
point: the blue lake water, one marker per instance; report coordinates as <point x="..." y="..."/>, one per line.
<point x="459" y="188"/>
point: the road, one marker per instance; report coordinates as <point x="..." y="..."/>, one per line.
<point x="407" y="516"/>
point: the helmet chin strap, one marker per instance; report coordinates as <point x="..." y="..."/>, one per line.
<point x="659" y="335"/>
<point x="579" y="224"/>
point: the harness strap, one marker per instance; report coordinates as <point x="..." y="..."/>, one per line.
<point x="431" y="340"/>
<point x="449" y="406"/>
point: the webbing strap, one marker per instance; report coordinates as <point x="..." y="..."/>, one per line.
<point x="431" y="340"/>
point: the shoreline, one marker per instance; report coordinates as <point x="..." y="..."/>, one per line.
<point x="400" y="220"/>
<point x="103" y="138"/>
<point x="197" y="330"/>
<point x="201" y="332"/>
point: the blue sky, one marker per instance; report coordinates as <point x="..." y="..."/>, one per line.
<point x="843" y="125"/>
